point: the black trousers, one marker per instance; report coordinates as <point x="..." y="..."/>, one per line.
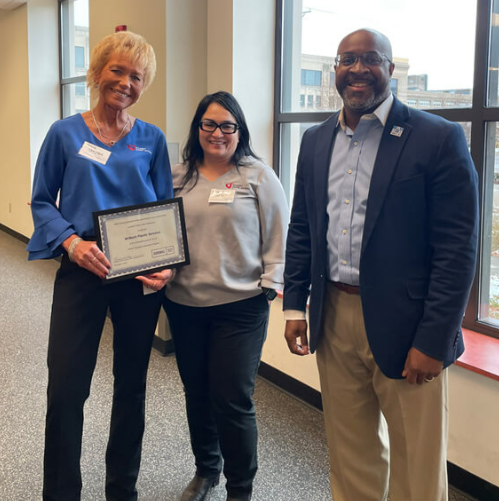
<point x="218" y="351"/>
<point x="79" y="310"/>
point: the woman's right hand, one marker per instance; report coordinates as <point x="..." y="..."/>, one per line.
<point x="87" y="255"/>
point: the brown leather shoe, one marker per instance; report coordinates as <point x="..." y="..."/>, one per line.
<point x="198" y="488"/>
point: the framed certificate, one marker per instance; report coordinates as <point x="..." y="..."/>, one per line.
<point x="142" y="239"/>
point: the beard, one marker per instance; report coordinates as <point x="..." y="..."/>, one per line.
<point x="363" y="104"/>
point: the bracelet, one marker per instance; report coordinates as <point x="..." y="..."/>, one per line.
<point x="72" y="247"/>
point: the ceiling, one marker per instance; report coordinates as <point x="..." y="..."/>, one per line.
<point x="11" y="4"/>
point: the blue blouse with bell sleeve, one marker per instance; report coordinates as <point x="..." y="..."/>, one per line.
<point x="68" y="187"/>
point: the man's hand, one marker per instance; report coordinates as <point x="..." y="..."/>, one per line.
<point x="297" y="329"/>
<point x="420" y="368"/>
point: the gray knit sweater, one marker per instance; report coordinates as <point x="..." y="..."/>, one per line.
<point x="235" y="248"/>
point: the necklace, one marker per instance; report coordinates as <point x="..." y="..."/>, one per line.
<point x="111" y="141"/>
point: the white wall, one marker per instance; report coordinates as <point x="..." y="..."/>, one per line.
<point x="474" y="423"/>
<point x="186" y="65"/>
<point x="43" y="57"/>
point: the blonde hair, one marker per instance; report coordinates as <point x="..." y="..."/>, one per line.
<point x="123" y="43"/>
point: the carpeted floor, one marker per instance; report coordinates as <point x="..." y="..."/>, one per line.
<point x="293" y="462"/>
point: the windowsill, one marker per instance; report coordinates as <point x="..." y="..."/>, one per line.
<point x="481" y="354"/>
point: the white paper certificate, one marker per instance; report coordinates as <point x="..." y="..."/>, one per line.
<point x="141" y="239"/>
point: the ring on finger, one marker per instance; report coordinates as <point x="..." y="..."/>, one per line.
<point x="94" y="258"/>
<point x="428" y="379"/>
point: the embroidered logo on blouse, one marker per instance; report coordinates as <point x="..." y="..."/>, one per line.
<point x="132" y="147"/>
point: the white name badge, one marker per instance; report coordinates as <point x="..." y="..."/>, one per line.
<point x="222" y="196"/>
<point x="95" y="153"/>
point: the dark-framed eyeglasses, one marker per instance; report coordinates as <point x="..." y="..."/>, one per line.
<point x="225" y="127"/>
<point x="367" y="59"/>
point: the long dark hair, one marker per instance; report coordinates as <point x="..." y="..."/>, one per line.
<point x="193" y="154"/>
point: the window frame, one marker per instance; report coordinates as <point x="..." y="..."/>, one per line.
<point x="478" y="116"/>
<point x="65" y="81"/>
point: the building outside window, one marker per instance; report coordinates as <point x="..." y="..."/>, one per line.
<point x="461" y="87"/>
<point x="311" y="77"/>
<point x="74" y="54"/>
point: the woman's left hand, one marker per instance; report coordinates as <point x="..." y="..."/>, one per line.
<point x="156" y="281"/>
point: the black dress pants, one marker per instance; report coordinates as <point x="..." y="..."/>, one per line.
<point x="79" y="310"/>
<point x="218" y="351"/>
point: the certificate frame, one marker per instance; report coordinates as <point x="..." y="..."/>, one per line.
<point x="141" y="239"/>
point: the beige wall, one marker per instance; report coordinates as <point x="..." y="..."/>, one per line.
<point x="14" y="121"/>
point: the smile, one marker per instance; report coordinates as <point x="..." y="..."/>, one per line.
<point x="359" y="85"/>
<point x="120" y="93"/>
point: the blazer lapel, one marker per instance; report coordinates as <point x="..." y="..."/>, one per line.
<point x="395" y="135"/>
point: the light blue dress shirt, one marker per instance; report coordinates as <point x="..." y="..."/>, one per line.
<point x="350" y="171"/>
<point x="352" y="163"/>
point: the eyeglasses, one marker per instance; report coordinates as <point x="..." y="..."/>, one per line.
<point x="367" y="59"/>
<point x="225" y="128"/>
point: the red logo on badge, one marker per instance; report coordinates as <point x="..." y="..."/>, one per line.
<point x="228" y="186"/>
<point x="131" y="147"/>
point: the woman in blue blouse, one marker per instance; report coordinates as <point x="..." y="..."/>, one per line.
<point x="102" y="159"/>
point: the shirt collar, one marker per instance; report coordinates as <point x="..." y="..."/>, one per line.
<point x="381" y="113"/>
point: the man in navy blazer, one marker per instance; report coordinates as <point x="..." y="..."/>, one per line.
<point x="383" y="236"/>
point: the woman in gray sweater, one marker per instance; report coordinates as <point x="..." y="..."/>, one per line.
<point x="236" y="217"/>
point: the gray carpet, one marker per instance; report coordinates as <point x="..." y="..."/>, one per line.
<point x="292" y="452"/>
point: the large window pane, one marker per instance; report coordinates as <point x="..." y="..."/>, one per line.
<point x="74" y="38"/>
<point x="493" y="84"/>
<point x="74" y="56"/>
<point x="427" y="75"/>
<point x="489" y="283"/>
<point x="75" y="99"/>
<point x="291" y="134"/>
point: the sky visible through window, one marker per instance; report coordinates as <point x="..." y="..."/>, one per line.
<point x="437" y="37"/>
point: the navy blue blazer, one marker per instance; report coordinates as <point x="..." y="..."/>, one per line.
<point x="419" y="243"/>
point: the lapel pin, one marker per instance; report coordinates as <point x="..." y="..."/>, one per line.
<point x="397" y="131"/>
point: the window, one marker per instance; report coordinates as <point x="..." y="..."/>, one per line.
<point x="79" y="57"/>
<point x="394" y="85"/>
<point x="463" y="87"/>
<point x="74" y="56"/>
<point x="310" y="101"/>
<point x="79" y="89"/>
<point x="318" y="102"/>
<point x="311" y="77"/>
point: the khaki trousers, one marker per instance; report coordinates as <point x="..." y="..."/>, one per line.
<point x="383" y="434"/>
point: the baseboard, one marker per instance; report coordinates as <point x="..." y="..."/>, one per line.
<point x="291" y="385"/>
<point x="162" y="346"/>
<point x="461" y="479"/>
<point x="472" y="485"/>
<point x="14" y="233"/>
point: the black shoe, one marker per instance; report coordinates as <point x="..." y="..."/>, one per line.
<point x="198" y="488"/>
